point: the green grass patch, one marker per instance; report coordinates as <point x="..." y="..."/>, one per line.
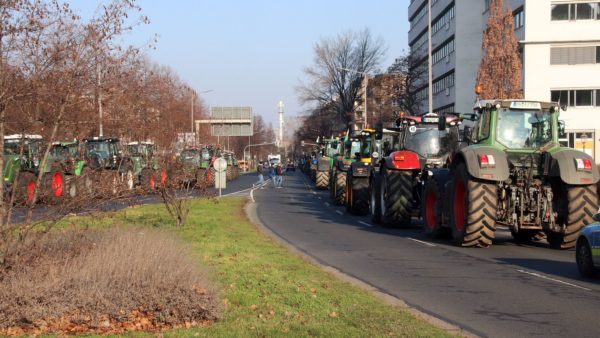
<point x="266" y="290"/>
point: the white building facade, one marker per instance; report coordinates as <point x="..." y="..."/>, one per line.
<point x="560" y="46"/>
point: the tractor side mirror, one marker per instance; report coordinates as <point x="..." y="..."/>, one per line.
<point x="561" y="129"/>
<point x="442" y="122"/>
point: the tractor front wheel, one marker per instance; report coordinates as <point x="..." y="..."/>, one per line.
<point x="322" y="180"/>
<point x="473" y="219"/>
<point x="374" y="204"/>
<point x="340" y="188"/>
<point x="433" y="207"/>
<point x="357" y="195"/>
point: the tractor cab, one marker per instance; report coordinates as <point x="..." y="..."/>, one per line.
<point x="103" y="152"/>
<point x="21" y="152"/>
<point x="429" y="136"/>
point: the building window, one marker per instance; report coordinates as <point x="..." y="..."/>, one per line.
<point x="583" y="98"/>
<point x="445" y="109"/>
<point x="443" y="19"/>
<point x="443" y="51"/>
<point x="576" y="11"/>
<point x="576" y="97"/>
<point x="486" y="5"/>
<point x="584" y="11"/>
<point x="574" y="55"/>
<point x="519" y="17"/>
<point x="443" y="82"/>
<point x="560" y="12"/>
<point x="421" y="12"/>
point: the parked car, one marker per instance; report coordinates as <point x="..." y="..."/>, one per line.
<point x="587" y="252"/>
<point x="290" y="167"/>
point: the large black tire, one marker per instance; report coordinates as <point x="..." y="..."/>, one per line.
<point x="396" y="198"/>
<point x="313" y="174"/>
<point x="575" y="206"/>
<point x="210" y="179"/>
<point x="332" y="175"/>
<point x="583" y="257"/>
<point x="228" y="174"/>
<point x="473" y="215"/>
<point x="84" y="184"/>
<point x="322" y="182"/>
<point x="374" y="204"/>
<point x="147" y="179"/>
<point x="201" y="178"/>
<point x="340" y="188"/>
<point x="357" y="195"/>
<point x="432" y="208"/>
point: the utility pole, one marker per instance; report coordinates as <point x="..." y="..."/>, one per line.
<point x="280" y="107"/>
<point x="430" y="66"/>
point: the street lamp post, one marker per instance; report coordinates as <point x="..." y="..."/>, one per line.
<point x="192" y="110"/>
<point x="365" y="82"/>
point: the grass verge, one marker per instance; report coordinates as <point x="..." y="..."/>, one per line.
<point x="267" y="291"/>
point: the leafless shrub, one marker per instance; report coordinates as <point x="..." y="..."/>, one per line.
<point x="104" y="280"/>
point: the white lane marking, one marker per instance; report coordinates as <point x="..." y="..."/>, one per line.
<point x="314" y="192"/>
<point x="418" y="241"/>
<point x="365" y="224"/>
<point x="339" y="212"/>
<point x="327" y="204"/>
<point x="553" y="279"/>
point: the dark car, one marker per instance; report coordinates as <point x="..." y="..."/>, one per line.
<point x="291" y="167"/>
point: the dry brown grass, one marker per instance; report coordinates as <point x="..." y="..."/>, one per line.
<point x="104" y="280"/>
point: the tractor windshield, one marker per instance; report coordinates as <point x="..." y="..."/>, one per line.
<point x="355" y="148"/>
<point x="191" y="156"/>
<point x="134" y="149"/>
<point x="366" y="146"/>
<point x="13" y="147"/>
<point x="428" y="141"/>
<point x="60" y="153"/>
<point x="524" y="128"/>
<point x="205" y="154"/>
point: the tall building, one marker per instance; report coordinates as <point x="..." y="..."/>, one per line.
<point x="560" y="52"/>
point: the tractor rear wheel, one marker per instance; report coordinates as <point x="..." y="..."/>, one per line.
<point x="396" y="198"/>
<point x="340" y="188"/>
<point x="582" y="203"/>
<point x="147" y="179"/>
<point x="433" y="207"/>
<point x="201" y="178"/>
<point x="128" y="179"/>
<point x="357" y="195"/>
<point x="473" y="219"/>
<point x="332" y="175"/>
<point x="84" y="184"/>
<point x="322" y="182"/>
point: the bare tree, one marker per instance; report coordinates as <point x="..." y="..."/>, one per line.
<point x="339" y="67"/>
<point x="413" y="68"/>
<point x="499" y="74"/>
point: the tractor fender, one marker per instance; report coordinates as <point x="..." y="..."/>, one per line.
<point x="497" y="172"/>
<point x="410" y="160"/>
<point x="323" y="164"/>
<point x="563" y="164"/>
<point x="341" y="166"/>
<point x="360" y="169"/>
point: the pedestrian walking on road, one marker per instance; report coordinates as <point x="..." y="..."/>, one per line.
<point x="279" y="176"/>
<point x="261" y="180"/>
<point x="272" y="174"/>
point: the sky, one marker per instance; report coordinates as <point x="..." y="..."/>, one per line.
<point x="252" y="53"/>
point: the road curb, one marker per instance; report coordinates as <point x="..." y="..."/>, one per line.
<point x="251" y="212"/>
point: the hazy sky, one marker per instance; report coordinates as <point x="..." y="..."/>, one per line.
<point x="253" y="52"/>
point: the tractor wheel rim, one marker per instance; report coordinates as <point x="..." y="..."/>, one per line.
<point x="430" y="204"/>
<point x="163" y="176"/>
<point x="30" y="190"/>
<point x="152" y="182"/>
<point x="459" y="206"/>
<point x="57" y="184"/>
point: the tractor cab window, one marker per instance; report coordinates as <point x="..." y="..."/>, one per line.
<point x="113" y="150"/>
<point x="191" y="156"/>
<point x="354" y="148"/>
<point x="481" y="130"/>
<point x="524" y="128"/>
<point x="205" y="154"/>
<point x="133" y="149"/>
<point x="366" y="146"/>
<point x="428" y="141"/>
<point x="101" y="147"/>
<point x="13" y="147"/>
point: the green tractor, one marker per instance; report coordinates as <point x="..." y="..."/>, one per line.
<point x="144" y="166"/>
<point x="329" y="149"/>
<point x="77" y="174"/>
<point x="341" y="164"/>
<point x="513" y="173"/>
<point x="22" y="156"/>
<point x="112" y="171"/>
<point x="232" y="169"/>
<point x="197" y="165"/>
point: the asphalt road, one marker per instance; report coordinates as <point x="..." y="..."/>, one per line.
<point x="507" y="290"/>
